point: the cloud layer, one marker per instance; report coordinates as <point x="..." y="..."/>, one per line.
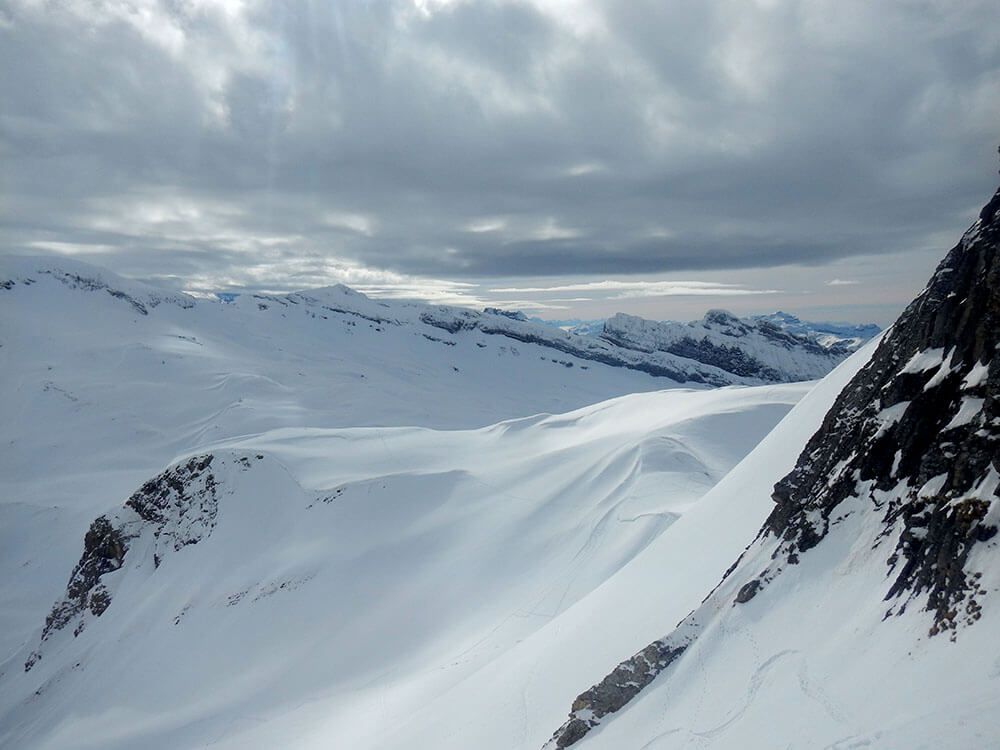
<point x="387" y="142"/>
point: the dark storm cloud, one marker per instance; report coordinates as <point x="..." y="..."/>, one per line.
<point x="469" y="140"/>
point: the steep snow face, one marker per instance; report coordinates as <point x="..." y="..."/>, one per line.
<point x="323" y="587"/>
<point x="868" y="597"/>
<point x="744" y="347"/>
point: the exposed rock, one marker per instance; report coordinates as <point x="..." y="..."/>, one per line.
<point x="624" y="682"/>
<point x="916" y="433"/>
<point x="512" y="314"/>
<point x="176" y="508"/>
<point x="181" y="503"/>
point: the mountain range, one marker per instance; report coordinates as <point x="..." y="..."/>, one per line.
<point x="848" y="336"/>
<point x="316" y="519"/>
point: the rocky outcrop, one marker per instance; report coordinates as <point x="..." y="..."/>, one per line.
<point x="912" y="443"/>
<point x="916" y="434"/>
<point x="719" y="350"/>
<point x="180" y="505"/>
<point x="617" y="689"/>
<point x="846" y="336"/>
<point x="175" y="509"/>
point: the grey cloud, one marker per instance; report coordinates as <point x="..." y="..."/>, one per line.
<point x="601" y="139"/>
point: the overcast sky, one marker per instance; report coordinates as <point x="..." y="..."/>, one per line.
<point x="571" y="158"/>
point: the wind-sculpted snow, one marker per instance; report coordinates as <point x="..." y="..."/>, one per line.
<point x="899" y="492"/>
<point x="331" y="583"/>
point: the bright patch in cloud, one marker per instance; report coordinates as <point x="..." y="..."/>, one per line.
<point x="633" y="289"/>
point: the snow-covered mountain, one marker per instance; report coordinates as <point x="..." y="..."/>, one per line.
<point x="848" y="335"/>
<point x="745" y="347"/>
<point x="576" y="325"/>
<point x="718" y="357"/>
<point x="135" y="419"/>
<point x="868" y="599"/>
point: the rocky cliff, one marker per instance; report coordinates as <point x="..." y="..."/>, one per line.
<point x="909" y="454"/>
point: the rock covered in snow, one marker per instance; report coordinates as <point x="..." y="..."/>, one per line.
<point x="74" y="275"/>
<point x="829" y="334"/>
<point x="176" y="508"/>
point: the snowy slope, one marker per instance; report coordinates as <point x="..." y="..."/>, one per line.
<point x="867" y="601"/>
<point x="319" y="586"/>
<point x="104" y="381"/>
<point x="512" y="702"/>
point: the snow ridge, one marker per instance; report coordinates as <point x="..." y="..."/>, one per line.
<point x="721" y="350"/>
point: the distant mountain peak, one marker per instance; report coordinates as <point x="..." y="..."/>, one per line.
<point x="720" y="317"/>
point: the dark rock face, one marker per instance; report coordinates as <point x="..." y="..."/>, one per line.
<point x="729" y="358"/>
<point x="913" y="442"/>
<point x="512" y="314"/>
<point x="176" y="508"/>
<point x="615" y="690"/>
<point x="920" y="427"/>
<point x="104" y="549"/>
<point x="181" y="503"/>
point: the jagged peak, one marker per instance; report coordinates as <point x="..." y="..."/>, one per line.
<point x="718" y="316"/>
